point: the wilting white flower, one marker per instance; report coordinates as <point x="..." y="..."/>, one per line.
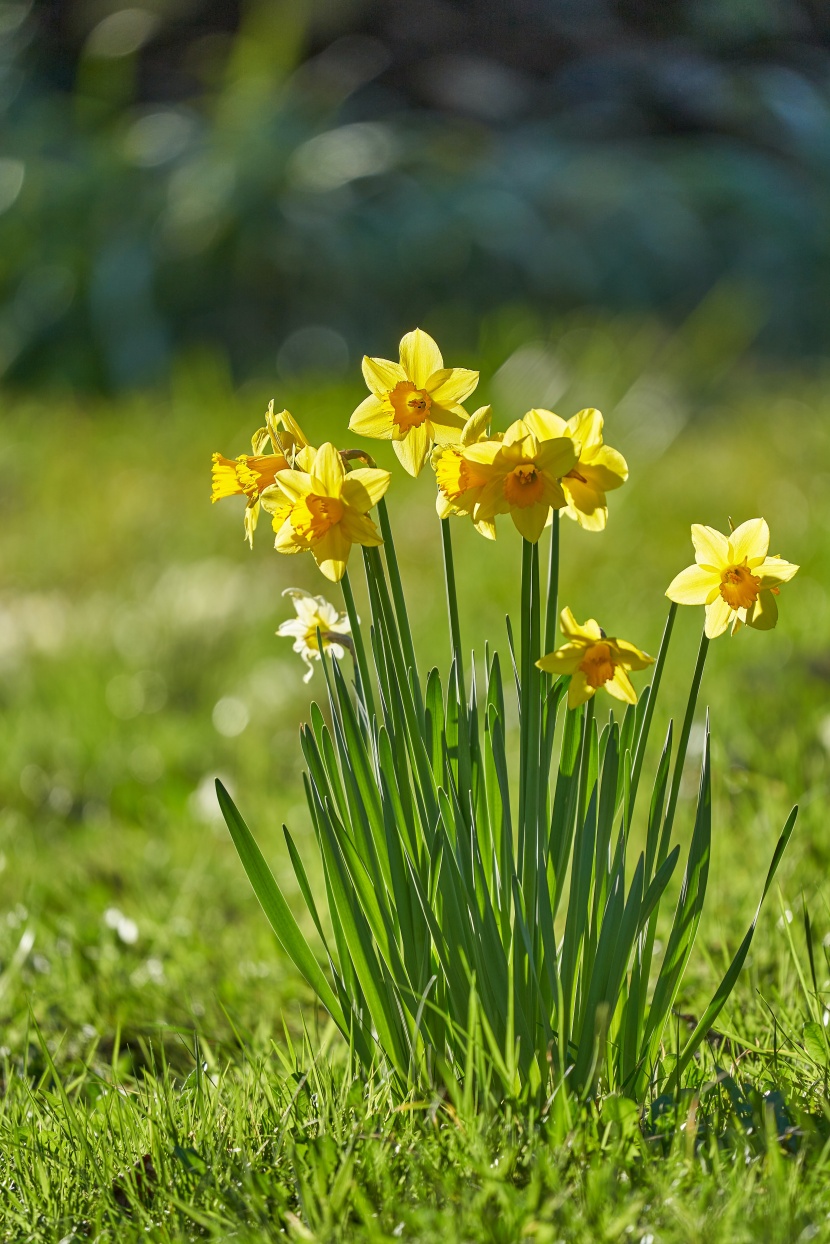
<point x="316" y="613"/>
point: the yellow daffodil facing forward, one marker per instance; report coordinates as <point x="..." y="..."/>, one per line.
<point x="328" y="509"/>
<point x="594" y="660"/>
<point x="415" y="403"/>
<point x="250" y="474"/>
<point x="315" y="613"/>
<point x="733" y="577"/>
<point x="598" y="469"/>
<point x="460" y="481"/>
<point x="522" y="474"/>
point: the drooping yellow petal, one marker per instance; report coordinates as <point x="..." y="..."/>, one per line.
<point x="364" y="487"/>
<point x="381" y="375"/>
<point x="579" y="690"/>
<point x="359" y="529"/>
<point x="413" y="450"/>
<point x="564" y="660"/>
<point x="373" y="417"/>
<point x="711" y="546"/>
<point x="593" y="520"/>
<point x="619" y="686"/>
<point x="530" y="520"/>
<point x="451" y="385"/>
<point x="764" y="613"/>
<point x="775" y="570"/>
<point x="718" y="617"/>
<point x="749" y="542"/>
<point x="605" y="471"/>
<point x="420" y="357"/>
<point x="328" y="472"/>
<point x="331" y="552"/>
<point x="586" y="503"/>
<point x="693" y="586"/>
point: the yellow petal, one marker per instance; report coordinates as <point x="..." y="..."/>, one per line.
<point x="620" y="686"/>
<point x="451" y="385"/>
<point x="287" y="540"/>
<point x="364" y="487"/>
<point x="606" y="470"/>
<point x="590" y="631"/>
<point x="420" y="357"/>
<point x="486" y="527"/>
<point x="328" y="472"/>
<point x="530" y="520"/>
<point x="374" y="418"/>
<point x="556" y="456"/>
<point x="764" y="613"/>
<point x="445" y="425"/>
<point x="564" y="660"/>
<point x="476" y="426"/>
<point x="332" y="551"/>
<point x="491" y="501"/>
<point x="586" y="428"/>
<point x="579" y="690"/>
<point x="483" y="453"/>
<point x="260" y="441"/>
<point x="295" y="484"/>
<point x="413" y="450"/>
<point x="545" y="425"/>
<point x="774" y="570"/>
<point x="381" y="375"/>
<point x="693" y="586"/>
<point x="596" y="520"/>
<point x="250" y="521"/>
<point x="588" y="503"/>
<point x="628" y="656"/>
<point x="749" y="542"/>
<point x="718" y="617"/>
<point x="359" y="529"/>
<point x="711" y="546"/>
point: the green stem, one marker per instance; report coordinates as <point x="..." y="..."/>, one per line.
<point x="682" y="746"/>
<point x="452" y="608"/>
<point x="551" y="612"/>
<point x="400" y="602"/>
<point x="364" y="687"/>
<point x="524" y="689"/>
<point x="640" y="749"/>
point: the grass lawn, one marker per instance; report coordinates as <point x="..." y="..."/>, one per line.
<point x="165" y="1075"/>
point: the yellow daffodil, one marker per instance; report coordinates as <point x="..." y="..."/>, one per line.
<point x="327" y="510"/>
<point x="315" y="613"/>
<point x="460" y="481"/>
<point x="598" y="469"/>
<point x="275" y="448"/>
<point x="733" y="577"/>
<point x="594" y="660"/>
<point x="522" y="474"/>
<point x="415" y="403"/>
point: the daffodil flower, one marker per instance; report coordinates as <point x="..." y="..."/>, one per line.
<point x="594" y="660"/>
<point x="327" y="509"/>
<point x="460" y="481"/>
<point x="275" y="448"/>
<point x="415" y="403"/>
<point x="315" y="613"/>
<point x="522" y="474"/>
<point x="598" y="469"/>
<point x="733" y="577"/>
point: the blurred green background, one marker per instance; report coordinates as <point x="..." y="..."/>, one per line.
<point x="205" y="205"/>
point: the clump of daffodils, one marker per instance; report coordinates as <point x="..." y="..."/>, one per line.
<point x="493" y="909"/>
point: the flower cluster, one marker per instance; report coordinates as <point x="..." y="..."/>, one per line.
<point x="319" y="502"/>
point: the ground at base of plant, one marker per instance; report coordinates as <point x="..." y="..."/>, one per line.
<point x="260" y="1151"/>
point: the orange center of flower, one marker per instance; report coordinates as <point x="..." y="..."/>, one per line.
<point x="411" y="405"/>
<point x="739" y="587"/>
<point x="312" y="516"/>
<point x="524" y="486"/>
<point x="597" y="665"/>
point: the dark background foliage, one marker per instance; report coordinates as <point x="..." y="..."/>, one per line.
<point x="292" y="183"/>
